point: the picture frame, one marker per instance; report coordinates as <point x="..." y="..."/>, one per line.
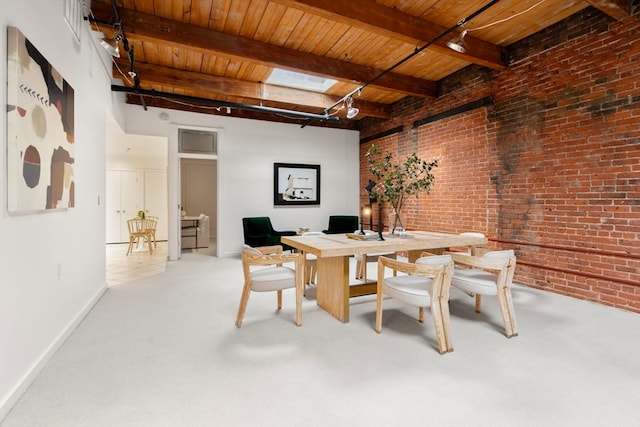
<point x="296" y="184"/>
<point x="40" y="131"/>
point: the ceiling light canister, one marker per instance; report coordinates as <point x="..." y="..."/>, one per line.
<point x="111" y="46"/>
<point x="351" y="110"/>
<point x="458" y="44"/>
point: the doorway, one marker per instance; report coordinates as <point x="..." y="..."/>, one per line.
<point x="199" y="198"/>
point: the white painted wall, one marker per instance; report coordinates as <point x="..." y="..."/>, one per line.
<point x="52" y="265"/>
<point x="247" y="150"/>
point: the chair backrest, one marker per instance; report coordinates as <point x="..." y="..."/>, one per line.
<point x="139" y="225"/>
<point x="505" y="277"/>
<point x="339" y="224"/>
<point x="152" y="223"/>
<point x="435" y="260"/>
<point x="256" y="226"/>
<point x="472" y="234"/>
<point x="499" y="254"/>
<point x="473" y="249"/>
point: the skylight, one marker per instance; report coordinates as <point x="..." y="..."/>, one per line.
<point x="299" y="80"/>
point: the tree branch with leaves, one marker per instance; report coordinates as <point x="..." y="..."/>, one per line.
<point x="398" y="180"/>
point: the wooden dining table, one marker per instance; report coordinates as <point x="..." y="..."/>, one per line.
<point x="333" y="251"/>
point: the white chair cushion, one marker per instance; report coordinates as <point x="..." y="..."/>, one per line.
<point x="479" y="281"/>
<point x="412" y="290"/>
<point x="272" y="279"/>
<point x="475" y="281"/>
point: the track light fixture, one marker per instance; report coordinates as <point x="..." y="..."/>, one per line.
<point x="457" y="44"/>
<point x="351" y="110"/>
<point x="111" y="45"/>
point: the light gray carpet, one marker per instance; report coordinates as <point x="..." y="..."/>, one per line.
<point x="164" y="351"/>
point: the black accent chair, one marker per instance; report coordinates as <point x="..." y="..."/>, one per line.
<point x="258" y="232"/>
<point x="340" y="224"/>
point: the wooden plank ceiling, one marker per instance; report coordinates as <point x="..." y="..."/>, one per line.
<point x="199" y="55"/>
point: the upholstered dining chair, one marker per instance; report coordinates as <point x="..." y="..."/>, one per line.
<point x="272" y="276"/>
<point x="489" y="274"/>
<point x="425" y="284"/>
<point x="140" y="229"/>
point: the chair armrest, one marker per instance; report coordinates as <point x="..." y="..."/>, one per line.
<point x="276" y="258"/>
<point x="270" y="250"/>
<point x="408" y="267"/>
<point x="479" y="262"/>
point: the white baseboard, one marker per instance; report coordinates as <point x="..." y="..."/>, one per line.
<point x="30" y="376"/>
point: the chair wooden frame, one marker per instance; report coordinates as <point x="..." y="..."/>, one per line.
<point x="440" y="276"/>
<point x="362" y="260"/>
<point x="504" y="269"/>
<point x="310" y="263"/>
<point x="153" y="226"/>
<point x="270" y="256"/>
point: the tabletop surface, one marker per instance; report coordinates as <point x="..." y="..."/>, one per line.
<point x="331" y="245"/>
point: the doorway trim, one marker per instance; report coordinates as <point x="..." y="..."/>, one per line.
<point x="174" y="184"/>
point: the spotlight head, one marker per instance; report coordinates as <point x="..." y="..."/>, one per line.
<point x="351" y="110"/>
<point x="111" y="46"/>
<point x="458" y="44"/>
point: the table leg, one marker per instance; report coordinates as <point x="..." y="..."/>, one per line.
<point x="332" y="292"/>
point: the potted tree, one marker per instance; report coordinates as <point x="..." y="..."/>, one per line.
<point x="398" y="180"/>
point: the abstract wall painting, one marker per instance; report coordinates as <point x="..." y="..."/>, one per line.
<point x="40" y="131"/>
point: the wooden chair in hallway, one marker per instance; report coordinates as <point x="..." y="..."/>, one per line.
<point x="489" y="274"/>
<point x="425" y="284"/>
<point x="140" y="229"/>
<point x="275" y="277"/>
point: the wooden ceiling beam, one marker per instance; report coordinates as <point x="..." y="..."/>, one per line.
<point x="395" y="24"/>
<point x="156" y="75"/>
<point x="617" y="9"/>
<point x="153" y="29"/>
<point x="252" y="115"/>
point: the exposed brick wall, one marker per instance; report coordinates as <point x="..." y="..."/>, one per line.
<point x="551" y="168"/>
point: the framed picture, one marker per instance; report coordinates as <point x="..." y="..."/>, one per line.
<point x="40" y="131"/>
<point x="296" y="184"/>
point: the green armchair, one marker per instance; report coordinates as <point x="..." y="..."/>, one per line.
<point x="258" y="231"/>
